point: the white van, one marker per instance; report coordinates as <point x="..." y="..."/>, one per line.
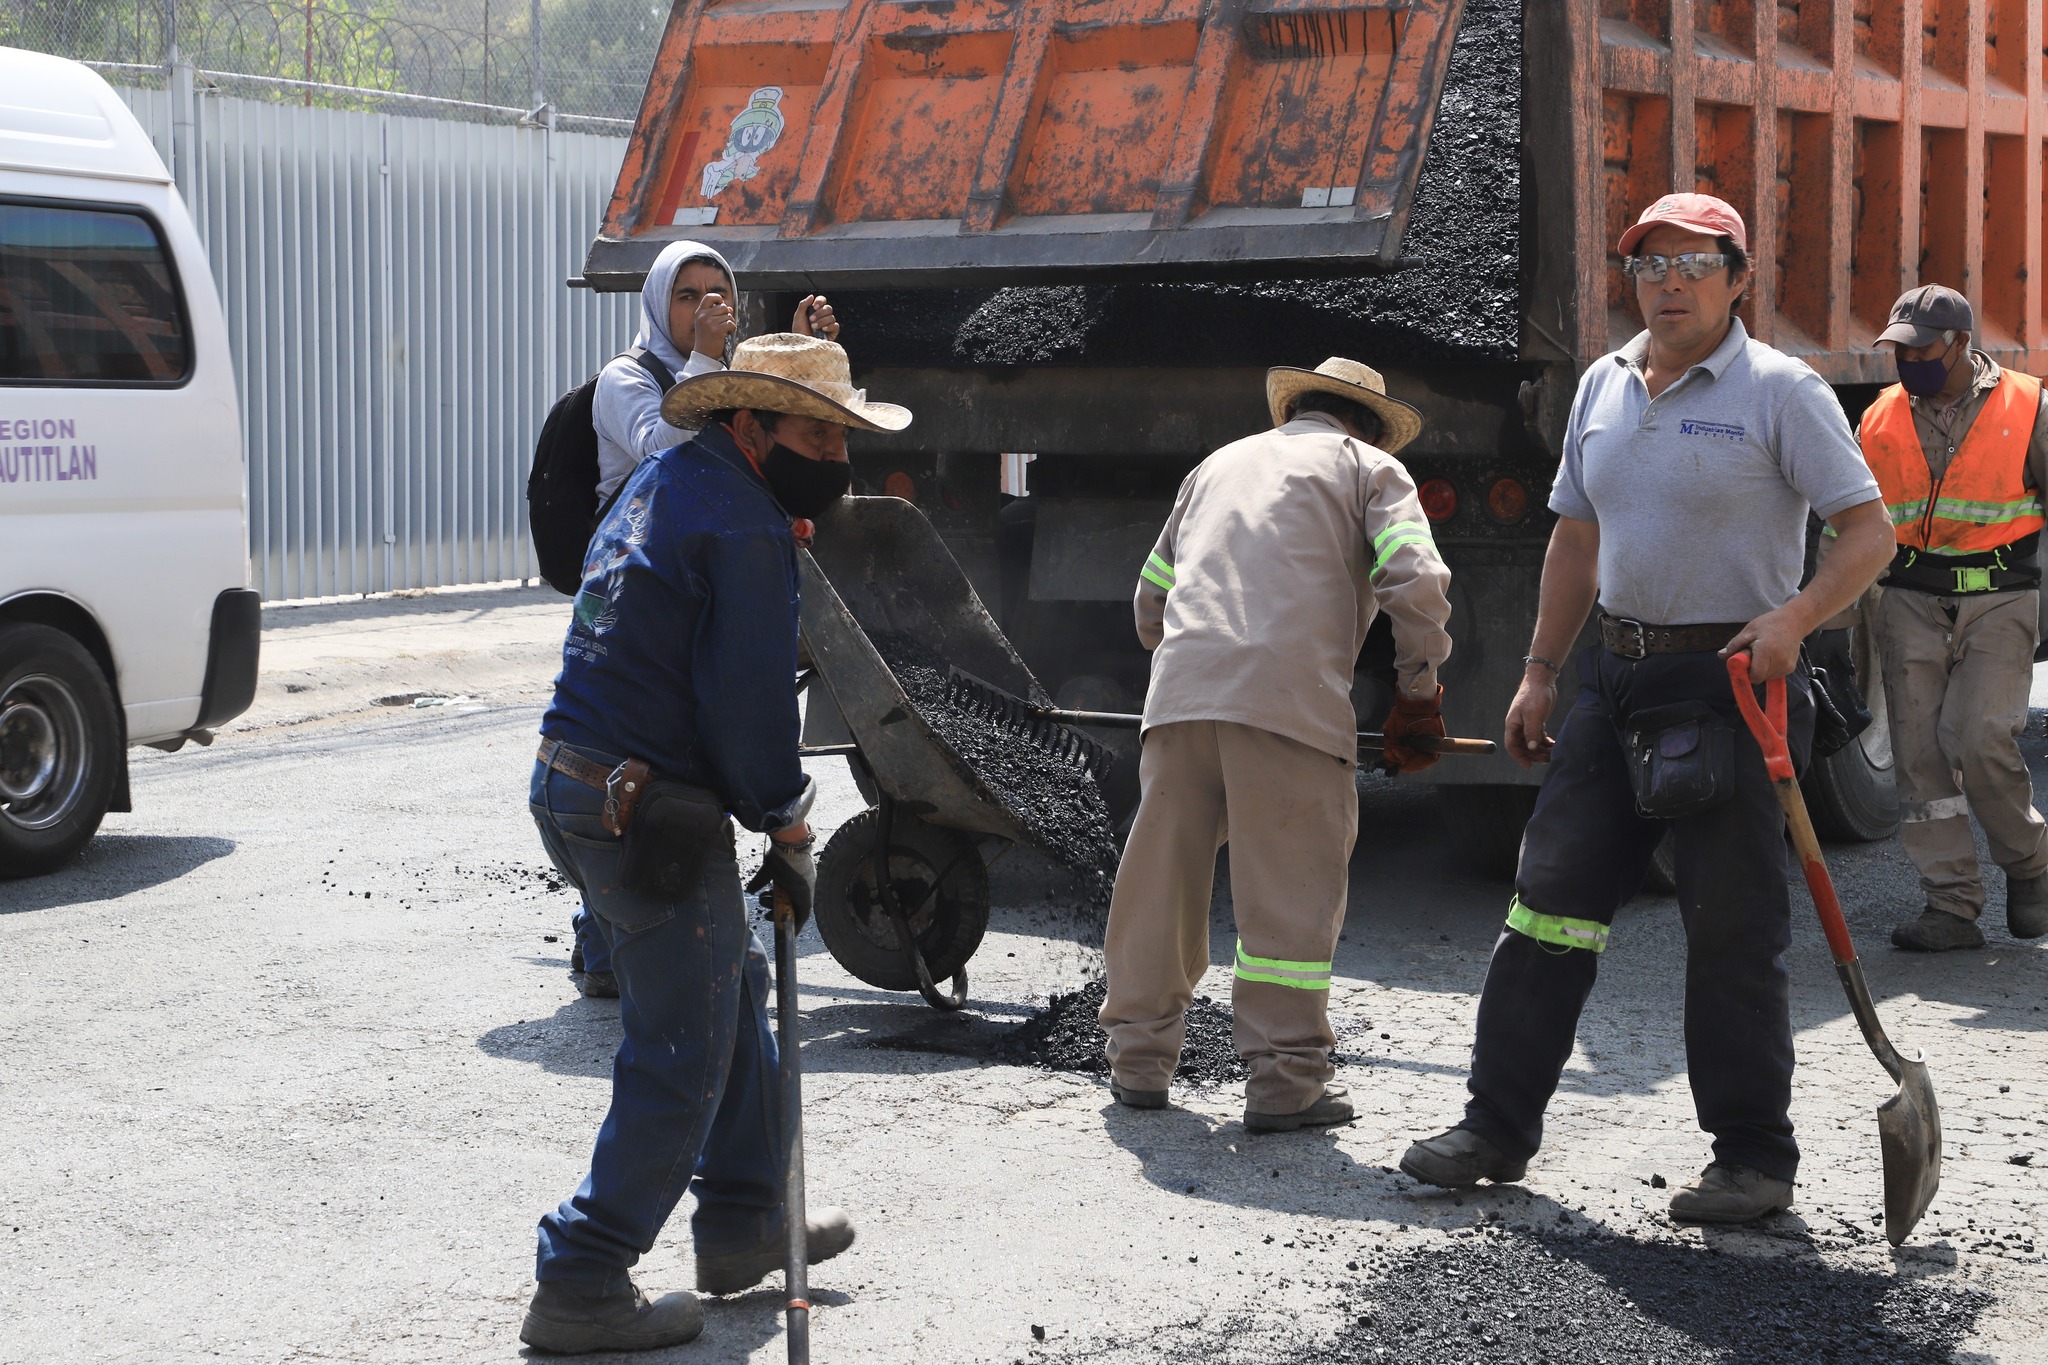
<point x="125" y="611"/>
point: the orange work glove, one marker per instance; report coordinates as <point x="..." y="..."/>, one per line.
<point x="1422" y="716"/>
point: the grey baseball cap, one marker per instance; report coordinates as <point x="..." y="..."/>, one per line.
<point x="1922" y="315"/>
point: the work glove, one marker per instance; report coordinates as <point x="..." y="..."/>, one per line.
<point x="792" y="870"/>
<point x="1417" y="717"/>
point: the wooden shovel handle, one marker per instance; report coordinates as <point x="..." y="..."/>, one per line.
<point x="1770" y="737"/>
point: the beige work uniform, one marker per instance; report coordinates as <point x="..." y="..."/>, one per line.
<point x="1280" y="551"/>
<point x="1957" y="674"/>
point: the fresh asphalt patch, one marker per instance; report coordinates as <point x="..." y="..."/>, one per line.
<point x="1591" y="1299"/>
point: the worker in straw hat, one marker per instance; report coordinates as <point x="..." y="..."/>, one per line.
<point x="680" y="664"/>
<point x="1280" y="551"/>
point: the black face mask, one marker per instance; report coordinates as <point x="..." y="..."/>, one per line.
<point x="804" y="487"/>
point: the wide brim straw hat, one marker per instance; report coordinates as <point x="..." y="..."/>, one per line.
<point x="1347" y="379"/>
<point x="783" y="372"/>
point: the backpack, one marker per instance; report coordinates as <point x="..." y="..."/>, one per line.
<point x="561" y="493"/>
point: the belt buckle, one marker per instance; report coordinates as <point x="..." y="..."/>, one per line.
<point x="1641" y="644"/>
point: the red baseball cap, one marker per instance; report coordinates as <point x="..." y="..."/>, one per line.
<point x="1695" y="213"/>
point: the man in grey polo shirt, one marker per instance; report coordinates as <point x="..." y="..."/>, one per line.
<point x="1691" y="458"/>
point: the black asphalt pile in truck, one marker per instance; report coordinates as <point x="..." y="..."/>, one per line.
<point x="1457" y="301"/>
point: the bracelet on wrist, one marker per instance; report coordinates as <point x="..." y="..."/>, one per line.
<point x="1528" y="659"/>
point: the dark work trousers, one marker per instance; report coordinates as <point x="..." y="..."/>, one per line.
<point x="1585" y="855"/>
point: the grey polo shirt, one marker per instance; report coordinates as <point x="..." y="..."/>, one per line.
<point x="1701" y="493"/>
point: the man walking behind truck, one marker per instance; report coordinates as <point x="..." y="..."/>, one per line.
<point x="1279" y="552"/>
<point x="1690" y="460"/>
<point x="1959" y="447"/>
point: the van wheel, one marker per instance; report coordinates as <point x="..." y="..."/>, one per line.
<point x="60" y="748"/>
<point x="1486" y="823"/>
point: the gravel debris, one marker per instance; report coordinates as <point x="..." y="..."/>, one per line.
<point x="1058" y="802"/>
<point x="1064" y="1036"/>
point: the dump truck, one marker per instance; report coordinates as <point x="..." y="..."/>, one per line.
<point x="1072" y="234"/>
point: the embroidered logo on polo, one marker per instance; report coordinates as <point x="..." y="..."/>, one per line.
<point x="1731" y="432"/>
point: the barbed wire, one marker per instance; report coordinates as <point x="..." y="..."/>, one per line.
<point x="594" y="55"/>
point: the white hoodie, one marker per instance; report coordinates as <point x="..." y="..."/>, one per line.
<point x="626" y="410"/>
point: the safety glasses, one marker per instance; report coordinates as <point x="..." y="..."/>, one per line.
<point x="1693" y="265"/>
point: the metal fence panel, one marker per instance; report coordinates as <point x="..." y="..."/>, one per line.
<point x="395" y="298"/>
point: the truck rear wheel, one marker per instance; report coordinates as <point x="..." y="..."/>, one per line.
<point x="60" y="749"/>
<point x="1486" y="823"/>
<point x="1852" y="794"/>
<point x="939" y="880"/>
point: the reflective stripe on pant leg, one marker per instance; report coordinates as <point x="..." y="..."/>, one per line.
<point x="1559" y="929"/>
<point x="1302" y="976"/>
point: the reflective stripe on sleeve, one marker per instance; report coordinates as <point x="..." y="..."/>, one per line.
<point x="1302" y="976"/>
<point x="1559" y="929"/>
<point x="1157" y="572"/>
<point x="1400" y="533"/>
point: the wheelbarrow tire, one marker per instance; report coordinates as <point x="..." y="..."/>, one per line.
<point x="948" y="924"/>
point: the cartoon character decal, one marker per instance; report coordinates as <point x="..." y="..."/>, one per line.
<point x="755" y="130"/>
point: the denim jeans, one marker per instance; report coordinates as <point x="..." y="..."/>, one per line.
<point x="694" y="1083"/>
<point x="1585" y="855"/>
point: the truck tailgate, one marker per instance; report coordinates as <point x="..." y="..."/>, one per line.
<point x="934" y="142"/>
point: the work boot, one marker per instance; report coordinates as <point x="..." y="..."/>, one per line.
<point x="1334" y="1107"/>
<point x="563" y="1322"/>
<point x="598" y="985"/>
<point x="576" y="960"/>
<point x="1460" y="1159"/>
<point x="2026" y="906"/>
<point x="828" y="1231"/>
<point x="1937" y="931"/>
<point x="1730" y="1194"/>
<point x="1137" y="1099"/>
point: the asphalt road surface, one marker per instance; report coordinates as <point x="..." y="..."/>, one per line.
<point x="293" y="1063"/>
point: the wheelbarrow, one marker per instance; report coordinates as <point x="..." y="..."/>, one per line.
<point x="903" y="894"/>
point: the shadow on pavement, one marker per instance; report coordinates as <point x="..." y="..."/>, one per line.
<point x="112" y="866"/>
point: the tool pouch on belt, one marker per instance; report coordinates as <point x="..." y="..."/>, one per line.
<point x="669" y="830"/>
<point x="1681" y="759"/>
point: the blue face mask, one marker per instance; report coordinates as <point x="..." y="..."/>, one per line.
<point x="1924" y="378"/>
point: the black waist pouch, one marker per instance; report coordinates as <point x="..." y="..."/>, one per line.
<point x="1681" y="759"/>
<point x="675" y="828"/>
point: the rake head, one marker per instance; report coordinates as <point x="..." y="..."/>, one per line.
<point x="1012" y="714"/>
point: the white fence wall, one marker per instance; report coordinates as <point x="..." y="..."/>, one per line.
<point x="395" y="299"/>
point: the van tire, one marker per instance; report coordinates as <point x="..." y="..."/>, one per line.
<point x="60" y="749"/>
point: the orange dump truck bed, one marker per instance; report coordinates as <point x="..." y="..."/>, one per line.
<point x="953" y="141"/>
<point x="1871" y="144"/>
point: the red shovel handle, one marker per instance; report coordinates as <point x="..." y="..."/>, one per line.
<point x="1769" y="732"/>
<point x="1770" y="737"/>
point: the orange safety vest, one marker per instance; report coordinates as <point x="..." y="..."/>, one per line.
<point x="1982" y="501"/>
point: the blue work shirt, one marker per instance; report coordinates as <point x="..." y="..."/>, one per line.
<point x="684" y="644"/>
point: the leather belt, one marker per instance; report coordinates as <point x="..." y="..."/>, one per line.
<point x="554" y="754"/>
<point x="1638" y="640"/>
<point x="622" y="786"/>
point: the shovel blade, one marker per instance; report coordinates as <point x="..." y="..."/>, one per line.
<point x="1909" y="1131"/>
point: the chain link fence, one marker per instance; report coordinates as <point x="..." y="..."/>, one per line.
<point x="476" y="59"/>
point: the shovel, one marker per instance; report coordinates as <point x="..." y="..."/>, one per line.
<point x="795" y="1270"/>
<point x="1909" y="1123"/>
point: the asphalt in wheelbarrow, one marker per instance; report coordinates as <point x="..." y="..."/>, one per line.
<point x="1056" y="801"/>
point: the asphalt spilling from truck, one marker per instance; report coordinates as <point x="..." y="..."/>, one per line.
<point x="1055" y="799"/>
<point x="1596" y="1299"/>
<point x="1455" y="299"/>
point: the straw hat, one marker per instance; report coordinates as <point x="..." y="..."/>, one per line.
<point x="1347" y="379"/>
<point x="783" y="372"/>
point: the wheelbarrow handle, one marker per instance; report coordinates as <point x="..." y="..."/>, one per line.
<point x="1367" y="739"/>
<point x="796" y="1225"/>
<point x="1770" y="732"/>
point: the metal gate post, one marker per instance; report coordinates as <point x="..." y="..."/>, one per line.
<point x="385" y="372"/>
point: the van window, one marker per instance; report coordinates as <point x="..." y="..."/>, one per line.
<point x="87" y="296"/>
